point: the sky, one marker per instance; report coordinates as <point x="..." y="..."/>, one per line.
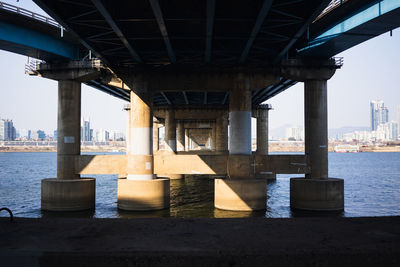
<point x="370" y="72"/>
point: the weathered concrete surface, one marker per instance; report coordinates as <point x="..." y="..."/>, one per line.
<point x="240" y="195"/>
<point x="68" y="195"/>
<point x="138" y="195"/>
<point x="201" y="162"/>
<point x="317" y="194"/>
<point x="201" y="242"/>
<point x="101" y="164"/>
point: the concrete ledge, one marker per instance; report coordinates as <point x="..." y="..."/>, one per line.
<point x="139" y="195"/>
<point x="268" y="176"/>
<point x="240" y="195"/>
<point x="317" y="194"/>
<point x="68" y="195"/>
<point x="172" y="176"/>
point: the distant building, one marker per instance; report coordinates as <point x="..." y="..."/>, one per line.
<point x="117" y="136"/>
<point x="379" y="114"/>
<point x="101" y="135"/>
<point x="41" y="134"/>
<point x="86" y="132"/>
<point x="294" y="133"/>
<point x="55" y="134"/>
<point x="7" y="130"/>
<point x="398" y="119"/>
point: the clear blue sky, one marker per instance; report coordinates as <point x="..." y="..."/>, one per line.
<point x="371" y="71"/>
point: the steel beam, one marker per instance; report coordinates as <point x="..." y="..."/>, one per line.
<point x="166" y="98"/>
<point x="163" y="28"/>
<point x="104" y="12"/>
<point x="303" y="28"/>
<point x="185" y="97"/>
<point x="260" y="19"/>
<point x="209" y="28"/>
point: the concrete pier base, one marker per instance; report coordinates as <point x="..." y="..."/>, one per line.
<point x="139" y="195"/>
<point x="240" y="195"/>
<point x="68" y="195"/>
<point x="317" y="194"/>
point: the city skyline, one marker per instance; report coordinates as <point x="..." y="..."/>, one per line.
<point x="370" y="71"/>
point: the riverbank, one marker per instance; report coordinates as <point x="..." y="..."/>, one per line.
<point x="373" y="241"/>
<point x="272" y="148"/>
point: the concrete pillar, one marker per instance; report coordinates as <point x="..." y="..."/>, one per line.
<point x="316" y="128"/>
<point x="180" y="136"/>
<point x="262" y="129"/>
<point x="240" y="121"/>
<point x="68" y="192"/>
<point x="156" y="137"/>
<point x="261" y="114"/>
<point x="187" y="139"/>
<point x="221" y="134"/>
<point x="316" y="191"/>
<point x="140" y="190"/>
<point x="128" y="127"/>
<point x="213" y="137"/>
<point x="240" y="191"/>
<point x="170" y="130"/>
<point x="170" y="139"/>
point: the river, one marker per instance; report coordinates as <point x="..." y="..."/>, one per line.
<point x="371" y="180"/>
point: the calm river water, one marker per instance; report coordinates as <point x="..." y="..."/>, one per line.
<point x="372" y="188"/>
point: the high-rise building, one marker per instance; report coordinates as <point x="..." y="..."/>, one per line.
<point x="295" y="133"/>
<point x="398" y="119"/>
<point x="379" y="114"/>
<point x="7" y="130"/>
<point x="41" y="134"/>
<point x="86" y="133"/>
<point x="101" y="135"/>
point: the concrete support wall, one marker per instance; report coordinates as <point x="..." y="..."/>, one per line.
<point x="140" y="155"/>
<point x="262" y="131"/>
<point x="170" y="130"/>
<point x="240" y="121"/>
<point x="316" y="128"/>
<point x="221" y="134"/>
<point x="180" y="136"/>
<point x="68" y="128"/>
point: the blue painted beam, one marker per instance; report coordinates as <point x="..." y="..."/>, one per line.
<point x="30" y="39"/>
<point x="163" y="28"/>
<point x="209" y="28"/>
<point x="368" y="22"/>
<point x="257" y="26"/>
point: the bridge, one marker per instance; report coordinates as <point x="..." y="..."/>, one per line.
<point x="196" y="67"/>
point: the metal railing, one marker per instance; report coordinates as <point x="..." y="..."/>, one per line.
<point x="32" y="66"/>
<point x="332" y="5"/>
<point x="338" y="61"/>
<point x="30" y="14"/>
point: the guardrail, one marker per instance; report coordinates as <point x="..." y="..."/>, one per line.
<point x="338" y="61"/>
<point x="332" y="5"/>
<point x="30" y="14"/>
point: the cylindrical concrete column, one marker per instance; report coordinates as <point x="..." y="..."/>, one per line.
<point x="240" y="121"/>
<point x="68" y="192"/>
<point x="128" y="128"/>
<point x="316" y="128"/>
<point x="221" y="133"/>
<point x="170" y="130"/>
<point x="262" y="129"/>
<point x="156" y="140"/>
<point x="68" y="128"/>
<point x="187" y="139"/>
<point x="180" y="136"/>
<point x="141" y="191"/>
<point x="140" y="156"/>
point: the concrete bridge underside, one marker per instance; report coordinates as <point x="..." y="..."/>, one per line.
<point x="201" y="69"/>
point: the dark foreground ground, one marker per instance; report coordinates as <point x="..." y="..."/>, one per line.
<point x="201" y="242"/>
